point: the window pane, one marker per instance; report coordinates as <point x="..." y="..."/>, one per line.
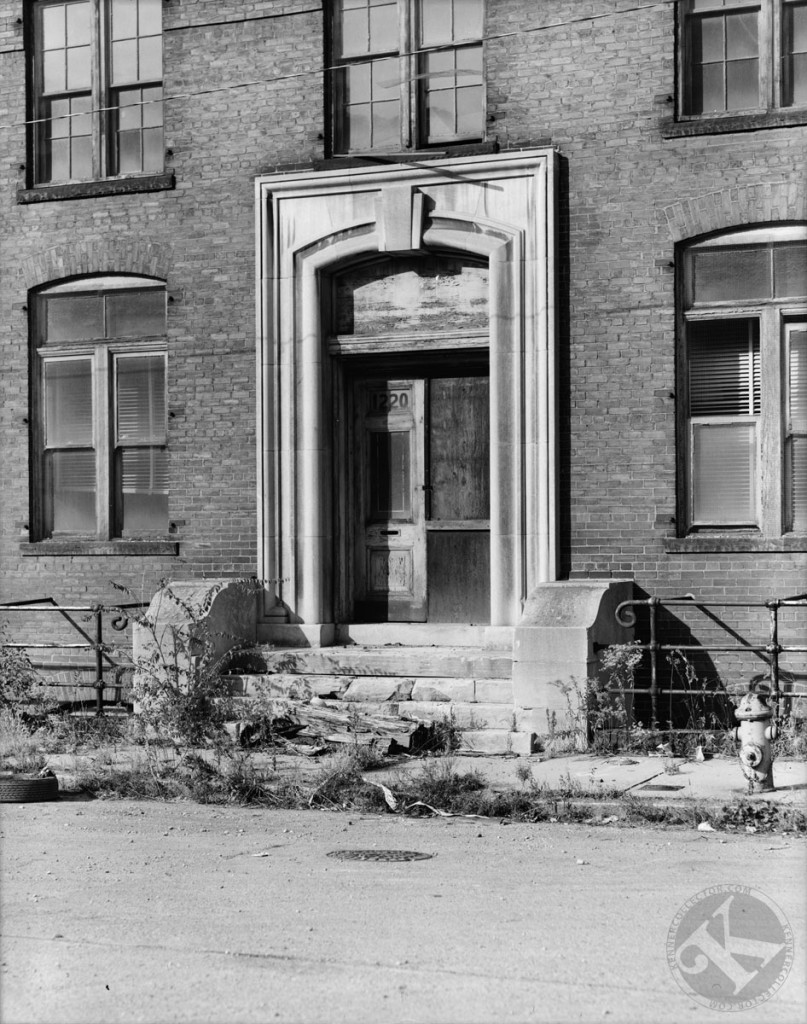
<point x="68" y="402"/>
<point x="385" y="80"/>
<point x="357" y="134"/>
<point x="144" y="490"/>
<point x="435" y="22"/>
<point x="74" y="318"/>
<point x="384" y="28"/>
<point x="124" y="61"/>
<point x="790" y="270"/>
<point x="724" y="368"/>
<point x="78" y="67"/>
<point x="469" y="111"/>
<point x="153" y="149"/>
<point x="741" y="35"/>
<point x="54" y="71"/>
<point x="357" y="84"/>
<point x="151" y="17"/>
<point x="151" y="59"/>
<point x="386" y="125"/>
<point x="727" y="274"/>
<point x="129" y="109"/>
<point x="135" y="314"/>
<point x="354" y="32"/>
<point x="53" y="27"/>
<point x="707" y="40"/>
<point x="70" y="492"/>
<point x="794" y="55"/>
<point x="141" y="399"/>
<point x="742" y="84"/>
<point x="797" y="382"/>
<point x="81" y="158"/>
<point x="440" y="111"/>
<point x="707" y="89"/>
<point x="78" y="24"/>
<point x="724" y="473"/>
<point x="797" y="479"/>
<point x="55" y="161"/>
<point x="129" y="157"/>
<point x="124" y="19"/>
<point x="80" y="121"/>
<point x="469" y="19"/>
<point x="796" y="94"/>
<point x="58" y="111"/>
<point x="389" y="474"/>
<point x="152" y="109"/>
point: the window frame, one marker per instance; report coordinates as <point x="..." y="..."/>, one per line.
<point x="103" y="355"/>
<point x="412" y="99"/>
<point x="103" y="114"/>
<point x="775" y="317"/>
<point x="771" y="56"/>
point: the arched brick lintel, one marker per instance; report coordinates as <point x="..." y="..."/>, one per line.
<point x="736" y="206"/>
<point x="98" y="256"/>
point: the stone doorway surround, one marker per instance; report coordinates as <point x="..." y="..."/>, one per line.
<point x="310" y="224"/>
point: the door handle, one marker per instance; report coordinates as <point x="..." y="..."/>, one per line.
<point x="390" y="533"/>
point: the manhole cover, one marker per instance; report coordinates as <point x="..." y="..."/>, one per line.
<point x="389" y="855"/>
<point x="665" y="789"/>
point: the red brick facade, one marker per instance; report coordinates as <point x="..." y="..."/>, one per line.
<point x="594" y="79"/>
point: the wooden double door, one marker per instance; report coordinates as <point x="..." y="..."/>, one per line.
<point x="420" y="451"/>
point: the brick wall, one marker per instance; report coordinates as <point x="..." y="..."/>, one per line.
<point x="225" y="122"/>
<point x="245" y="98"/>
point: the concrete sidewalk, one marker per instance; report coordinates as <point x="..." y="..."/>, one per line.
<point x="644" y="777"/>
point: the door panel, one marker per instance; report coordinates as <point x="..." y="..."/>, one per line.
<point x="459" y="448"/>
<point x="390" y="565"/>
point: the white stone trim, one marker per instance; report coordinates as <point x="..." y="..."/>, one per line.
<point x="500" y="208"/>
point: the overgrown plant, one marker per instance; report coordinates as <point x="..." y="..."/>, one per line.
<point x="598" y="714"/>
<point x="19" y="683"/>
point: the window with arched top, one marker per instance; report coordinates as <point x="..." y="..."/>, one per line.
<point x="99" y="400"/>
<point x="744" y="371"/>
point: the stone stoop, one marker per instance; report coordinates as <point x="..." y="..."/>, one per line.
<point x="470" y="687"/>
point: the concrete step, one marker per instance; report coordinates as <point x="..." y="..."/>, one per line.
<point x="374" y="689"/>
<point x="406" y="662"/>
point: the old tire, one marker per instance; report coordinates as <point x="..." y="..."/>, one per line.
<point x="17" y="789"/>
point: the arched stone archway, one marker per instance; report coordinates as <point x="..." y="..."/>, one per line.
<point x="499" y="210"/>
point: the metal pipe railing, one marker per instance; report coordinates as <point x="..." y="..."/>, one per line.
<point x="626" y="616"/>
<point x="101" y="657"/>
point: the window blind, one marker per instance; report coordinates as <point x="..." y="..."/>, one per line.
<point x="724" y="403"/>
<point x="796" y="462"/>
<point x="724" y="368"/>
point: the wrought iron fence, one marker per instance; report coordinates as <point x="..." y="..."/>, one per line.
<point x="770" y="651"/>
<point x="103" y="665"/>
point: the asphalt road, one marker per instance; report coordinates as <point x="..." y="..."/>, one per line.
<point x="134" y="911"/>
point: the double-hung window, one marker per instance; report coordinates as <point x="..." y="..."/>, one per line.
<point x="405" y="73"/>
<point x="99" y="428"/>
<point x="743" y="56"/>
<point x="745" y="371"/>
<point x="97" y="89"/>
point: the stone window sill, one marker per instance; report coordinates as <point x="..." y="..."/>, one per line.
<point x="114" y="548"/>
<point x="671" y="129"/>
<point x="452" y="149"/>
<point x="102" y="187"/>
<point x="713" y="544"/>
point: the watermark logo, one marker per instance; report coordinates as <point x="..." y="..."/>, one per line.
<point x="730" y="947"/>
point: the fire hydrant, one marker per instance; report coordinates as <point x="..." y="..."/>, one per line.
<point x="755" y="734"/>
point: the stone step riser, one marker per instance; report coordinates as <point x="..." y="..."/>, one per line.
<point x="404" y="662"/>
<point x="376" y="689"/>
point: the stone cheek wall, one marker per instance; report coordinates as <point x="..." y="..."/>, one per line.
<point x="598" y="90"/>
